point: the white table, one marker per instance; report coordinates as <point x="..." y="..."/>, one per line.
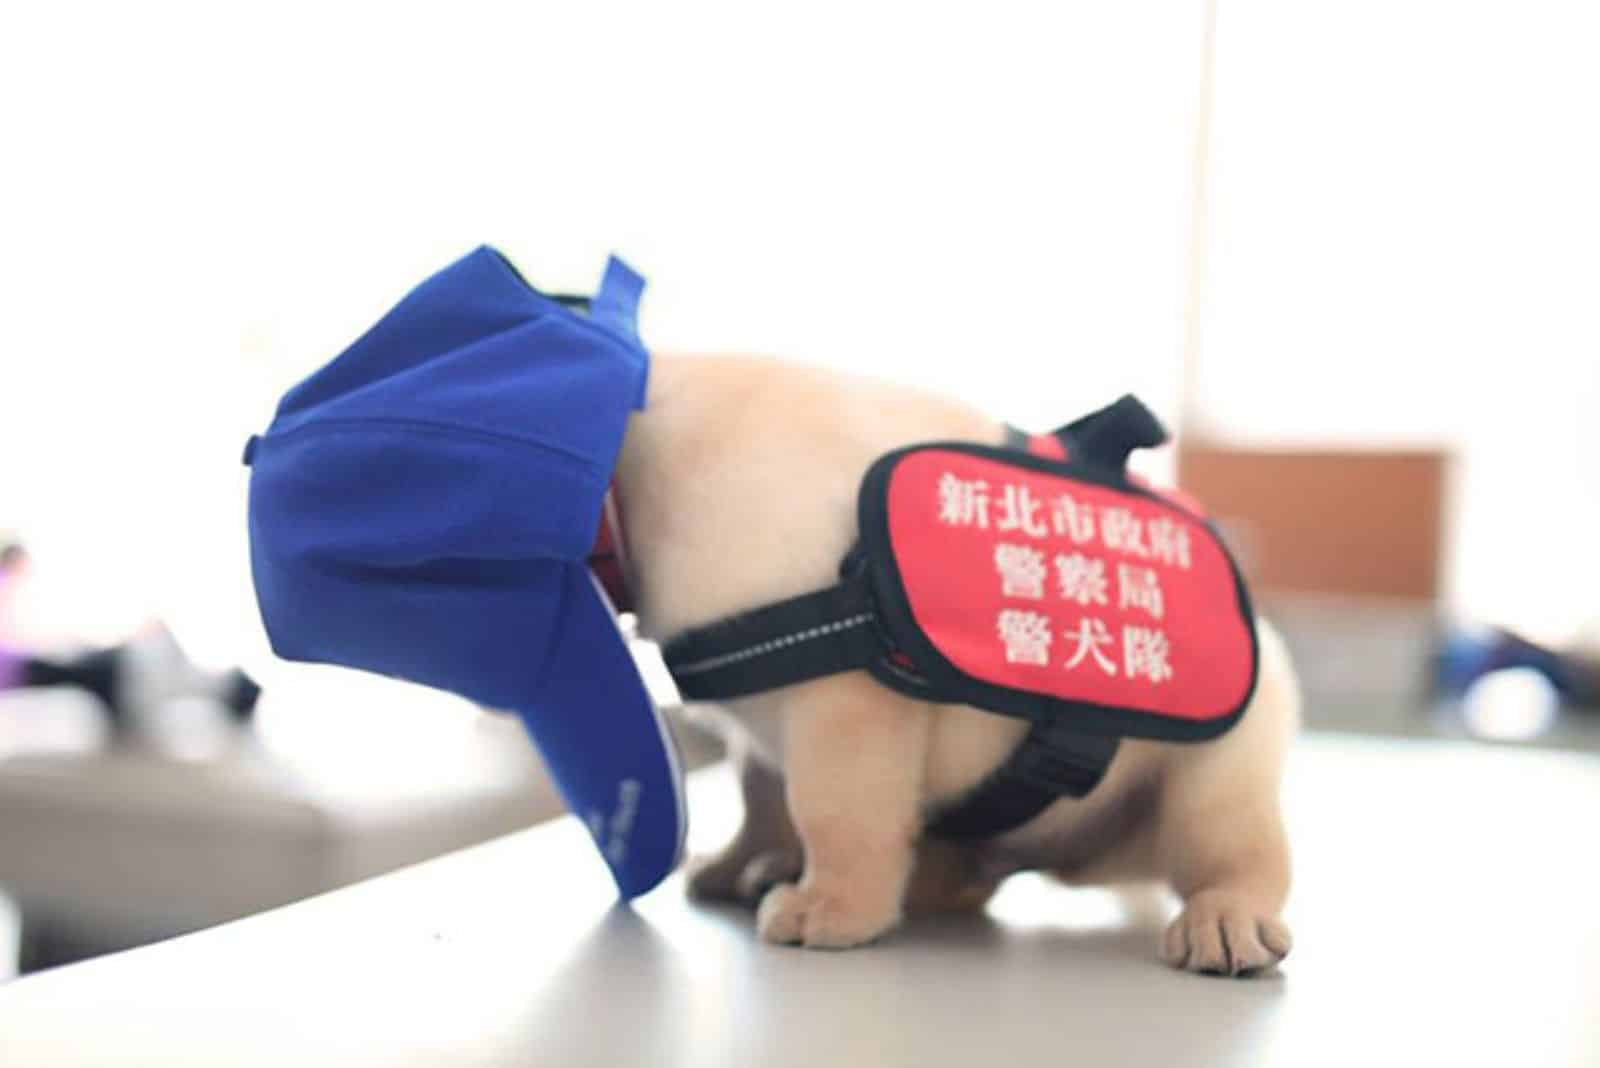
<point x="1444" y="914"/>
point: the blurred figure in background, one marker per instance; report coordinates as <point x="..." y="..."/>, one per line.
<point x="132" y="680"/>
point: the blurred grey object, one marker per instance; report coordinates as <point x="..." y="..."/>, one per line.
<point x="106" y="847"/>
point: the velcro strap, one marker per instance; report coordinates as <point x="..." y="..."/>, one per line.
<point x="805" y="637"/>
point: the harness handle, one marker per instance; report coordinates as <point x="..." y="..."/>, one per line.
<point x="1107" y="437"/>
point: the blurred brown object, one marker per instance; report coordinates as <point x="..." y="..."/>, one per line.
<point x="1325" y="521"/>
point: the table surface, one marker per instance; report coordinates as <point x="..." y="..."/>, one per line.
<point x="1444" y="912"/>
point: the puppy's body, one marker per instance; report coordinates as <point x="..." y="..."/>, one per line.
<point x="739" y="483"/>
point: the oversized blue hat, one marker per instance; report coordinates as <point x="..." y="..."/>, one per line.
<point x="424" y="505"/>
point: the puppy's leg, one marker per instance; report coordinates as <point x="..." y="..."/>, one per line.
<point x="1221" y="836"/>
<point x="1234" y="882"/>
<point x="947" y="877"/>
<point x="766" y="849"/>
<point x="853" y="757"/>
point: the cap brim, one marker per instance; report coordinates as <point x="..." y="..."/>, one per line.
<point x="606" y="743"/>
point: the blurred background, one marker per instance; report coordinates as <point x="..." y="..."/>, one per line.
<point x="1349" y="251"/>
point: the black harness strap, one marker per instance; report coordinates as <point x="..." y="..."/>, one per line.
<point x="1047" y="764"/>
<point x="806" y="637"/>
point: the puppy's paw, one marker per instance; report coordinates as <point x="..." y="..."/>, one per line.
<point x="767" y="870"/>
<point x="741" y="877"/>
<point x="794" y="915"/>
<point x="1220" y="934"/>
<point x="715" y="877"/>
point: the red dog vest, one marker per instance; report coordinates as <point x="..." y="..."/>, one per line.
<point x="1038" y="581"/>
<point x="1040" y="588"/>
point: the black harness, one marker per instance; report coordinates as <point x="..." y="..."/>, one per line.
<point x="843" y="628"/>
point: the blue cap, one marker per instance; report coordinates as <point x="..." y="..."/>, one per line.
<point x="424" y="506"/>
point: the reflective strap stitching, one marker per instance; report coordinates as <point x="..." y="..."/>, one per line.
<point x="770" y="646"/>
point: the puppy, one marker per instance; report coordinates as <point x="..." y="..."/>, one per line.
<point x="738" y="482"/>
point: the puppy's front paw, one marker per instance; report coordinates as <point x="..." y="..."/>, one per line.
<point x="1220" y="934"/>
<point x="794" y="915"/>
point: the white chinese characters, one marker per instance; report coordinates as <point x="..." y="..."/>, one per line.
<point x="1091" y="635"/>
<point x="1081" y="579"/>
<point x="1122" y="532"/>
<point x="1111" y="562"/>
<point x="1140" y="587"/>
<point x="1026" y="636"/>
<point x="1072" y="519"/>
<point x="1169" y="542"/>
<point x="1146" y="653"/>
<point x="1022" y="571"/>
<point x="1019" y="510"/>
<point x="963" y="502"/>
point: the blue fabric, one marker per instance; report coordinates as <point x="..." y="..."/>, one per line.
<point x="423" y="507"/>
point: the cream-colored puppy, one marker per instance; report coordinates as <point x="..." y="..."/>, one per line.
<point x="738" y="483"/>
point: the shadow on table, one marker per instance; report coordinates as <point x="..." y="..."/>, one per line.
<point x="621" y="990"/>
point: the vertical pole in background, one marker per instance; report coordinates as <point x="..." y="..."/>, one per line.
<point x="10" y="940"/>
<point x="1191" y="418"/>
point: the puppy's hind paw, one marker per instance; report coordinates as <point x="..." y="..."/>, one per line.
<point x="715" y="877"/>
<point x="794" y="915"/>
<point x="741" y="878"/>
<point x="767" y="870"/>
<point x="1218" y="934"/>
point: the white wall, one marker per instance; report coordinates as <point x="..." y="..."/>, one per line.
<point x="1406" y="249"/>
<point x="199" y="208"/>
